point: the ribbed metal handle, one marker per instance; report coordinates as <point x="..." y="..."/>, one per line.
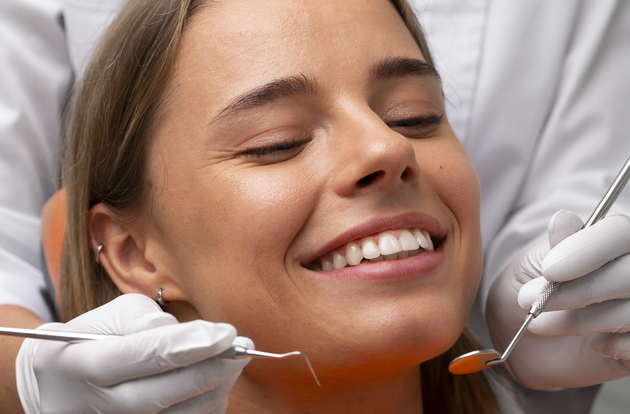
<point x="544" y="297"/>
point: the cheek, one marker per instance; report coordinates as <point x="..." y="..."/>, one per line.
<point x="455" y="183"/>
<point x="459" y="186"/>
<point x="259" y="211"/>
<point x="460" y="191"/>
<point x="230" y="231"/>
<point x="464" y="200"/>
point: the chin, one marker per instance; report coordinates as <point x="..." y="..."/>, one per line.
<point x="387" y="350"/>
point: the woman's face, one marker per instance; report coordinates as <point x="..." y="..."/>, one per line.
<point x="292" y="130"/>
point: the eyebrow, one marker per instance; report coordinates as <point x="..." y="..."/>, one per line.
<point x="273" y="91"/>
<point x="400" y="67"/>
<point x="301" y="84"/>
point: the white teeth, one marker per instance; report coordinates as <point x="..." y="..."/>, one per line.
<point x="327" y="265"/>
<point x="339" y="262"/>
<point x="354" y="255"/>
<point x="388" y="244"/>
<point x="426" y="234"/>
<point x="423" y="239"/>
<point x="407" y="241"/>
<point x="370" y="249"/>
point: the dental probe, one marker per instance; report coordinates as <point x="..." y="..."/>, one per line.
<point x="234" y="352"/>
<point x="476" y="361"/>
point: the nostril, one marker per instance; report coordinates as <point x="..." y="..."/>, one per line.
<point x="405" y="174"/>
<point x="369" y="178"/>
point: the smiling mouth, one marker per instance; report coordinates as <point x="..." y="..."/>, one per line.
<point x="388" y="245"/>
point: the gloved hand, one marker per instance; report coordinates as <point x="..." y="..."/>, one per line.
<point x="581" y="337"/>
<point x="159" y="365"/>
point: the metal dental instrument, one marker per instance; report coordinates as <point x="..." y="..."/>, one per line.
<point x="238" y="352"/>
<point x="234" y="352"/>
<point x="476" y="361"/>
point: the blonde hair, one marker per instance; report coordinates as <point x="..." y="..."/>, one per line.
<point x="112" y="116"/>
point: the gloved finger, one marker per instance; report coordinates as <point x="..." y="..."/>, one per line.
<point x="530" y="290"/>
<point x="563" y="224"/>
<point x="214" y="401"/>
<point x="609" y="282"/>
<point x="612" y="345"/>
<point x="213" y="377"/>
<point x="124" y="315"/>
<point x="139" y="323"/>
<point x="243" y="342"/>
<point x="114" y="360"/>
<point x="610" y="316"/>
<point x="587" y="250"/>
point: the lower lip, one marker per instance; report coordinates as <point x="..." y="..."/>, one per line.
<point x="410" y="267"/>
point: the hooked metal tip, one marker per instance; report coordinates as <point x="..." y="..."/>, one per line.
<point x="240" y="352"/>
<point x="308" y="362"/>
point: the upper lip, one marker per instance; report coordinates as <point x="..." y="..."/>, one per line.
<point x="378" y="225"/>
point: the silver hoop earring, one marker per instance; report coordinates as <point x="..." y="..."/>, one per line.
<point x="97" y="252"/>
<point x="160" y="300"/>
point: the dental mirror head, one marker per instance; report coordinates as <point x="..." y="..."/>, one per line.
<point x="474" y="361"/>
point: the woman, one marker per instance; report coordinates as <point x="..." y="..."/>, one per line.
<point x="288" y="169"/>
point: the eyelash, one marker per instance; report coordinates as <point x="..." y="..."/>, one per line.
<point x="421" y="121"/>
<point x="282" y="146"/>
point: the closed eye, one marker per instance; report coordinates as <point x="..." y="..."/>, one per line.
<point x="272" y="149"/>
<point x="420" y="121"/>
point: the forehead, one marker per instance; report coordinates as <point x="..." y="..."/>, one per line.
<point x="234" y="45"/>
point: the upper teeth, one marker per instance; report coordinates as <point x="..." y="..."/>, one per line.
<point x="389" y="245"/>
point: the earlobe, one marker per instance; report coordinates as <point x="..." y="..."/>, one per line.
<point x="125" y="256"/>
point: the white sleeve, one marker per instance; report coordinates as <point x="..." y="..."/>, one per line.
<point x="35" y="75"/>
<point x="564" y="129"/>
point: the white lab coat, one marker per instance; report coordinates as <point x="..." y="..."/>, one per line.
<point x="538" y="92"/>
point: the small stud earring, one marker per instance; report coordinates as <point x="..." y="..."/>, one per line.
<point x="97" y="252"/>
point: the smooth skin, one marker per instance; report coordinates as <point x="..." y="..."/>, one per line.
<point x="245" y="196"/>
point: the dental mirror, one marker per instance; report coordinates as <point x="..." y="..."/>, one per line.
<point x="476" y="361"/>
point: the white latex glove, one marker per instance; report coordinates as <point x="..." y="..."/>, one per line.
<point x="581" y="337"/>
<point x="159" y="365"/>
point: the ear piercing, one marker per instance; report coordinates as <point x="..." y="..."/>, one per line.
<point x="97" y="252"/>
<point x="160" y="300"/>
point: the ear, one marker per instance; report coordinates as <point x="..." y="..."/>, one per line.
<point x="129" y="256"/>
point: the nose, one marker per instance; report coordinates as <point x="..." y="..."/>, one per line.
<point x="373" y="157"/>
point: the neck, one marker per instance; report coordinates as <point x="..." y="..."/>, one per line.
<point x="396" y="394"/>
